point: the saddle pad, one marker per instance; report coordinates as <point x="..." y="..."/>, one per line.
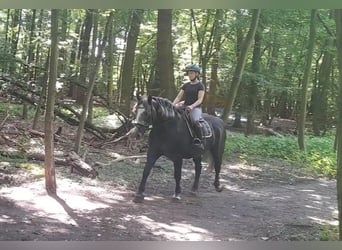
<point x="205" y="128"/>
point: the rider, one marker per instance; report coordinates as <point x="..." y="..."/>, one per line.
<point x="193" y="94"/>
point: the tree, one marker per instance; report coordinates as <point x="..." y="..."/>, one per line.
<point x="84" y="52"/>
<point x="214" y="79"/>
<point x="128" y="63"/>
<point x="338" y="19"/>
<point x="322" y="83"/>
<point x="163" y="84"/>
<point x="231" y="94"/>
<point x="306" y="80"/>
<point x="50" y="177"/>
<point x="252" y="86"/>
<point x="91" y="84"/>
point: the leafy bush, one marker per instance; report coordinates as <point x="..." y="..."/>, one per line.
<point x="320" y="157"/>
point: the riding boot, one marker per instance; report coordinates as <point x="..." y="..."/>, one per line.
<point x="198" y="138"/>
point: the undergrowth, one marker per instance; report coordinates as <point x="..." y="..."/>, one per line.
<point x="319" y="157"/>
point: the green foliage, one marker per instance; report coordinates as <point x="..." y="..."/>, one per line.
<point x="329" y="233"/>
<point x="320" y="157"/>
<point x="14" y="110"/>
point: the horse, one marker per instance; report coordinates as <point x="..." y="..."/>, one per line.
<point x="170" y="136"/>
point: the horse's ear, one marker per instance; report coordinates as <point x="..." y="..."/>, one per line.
<point x="149" y="99"/>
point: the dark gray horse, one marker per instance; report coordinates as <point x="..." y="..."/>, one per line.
<point x="170" y="136"/>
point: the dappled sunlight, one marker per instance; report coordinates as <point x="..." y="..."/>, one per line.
<point x="7" y="219"/>
<point x="323" y="221"/>
<point x="175" y="230"/>
<point x="30" y="197"/>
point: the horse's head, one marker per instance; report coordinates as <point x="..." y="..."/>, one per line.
<point x="152" y="110"/>
<point x="143" y="113"/>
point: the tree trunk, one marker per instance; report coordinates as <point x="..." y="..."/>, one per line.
<point x="128" y="63"/>
<point x="43" y="82"/>
<point x="338" y="17"/>
<point x="214" y="80"/>
<point x="73" y="66"/>
<point x="109" y="67"/>
<point x="15" y="29"/>
<point x="91" y="85"/>
<point x="84" y="49"/>
<point x="320" y="91"/>
<point x="306" y="80"/>
<point x="231" y="94"/>
<point x="163" y="84"/>
<point x="50" y="177"/>
<point x="252" y="87"/>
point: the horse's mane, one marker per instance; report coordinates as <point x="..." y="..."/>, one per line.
<point x="164" y="108"/>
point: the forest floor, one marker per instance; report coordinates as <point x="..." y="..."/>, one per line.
<point x="267" y="201"/>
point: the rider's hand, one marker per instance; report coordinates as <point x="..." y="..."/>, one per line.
<point x="190" y="107"/>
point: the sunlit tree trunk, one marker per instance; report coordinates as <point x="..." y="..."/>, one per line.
<point x="50" y="176"/>
<point x="240" y="66"/>
<point x="306" y="80"/>
<point x="252" y="85"/>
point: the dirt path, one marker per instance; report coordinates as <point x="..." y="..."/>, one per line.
<point x="266" y="202"/>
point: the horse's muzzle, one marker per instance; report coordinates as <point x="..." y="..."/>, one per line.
<point x="141" y="129"/>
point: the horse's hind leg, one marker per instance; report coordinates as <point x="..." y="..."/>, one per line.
<point x="151" y="159"/>
<point x="177" y="165"/>
<point x="217" y="159"/>
<point x="198" y="170"/>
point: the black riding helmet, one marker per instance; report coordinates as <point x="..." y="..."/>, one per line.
<point x="194" y="68"/>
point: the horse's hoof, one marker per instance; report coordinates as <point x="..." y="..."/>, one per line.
<point x="219" y="189"/>
<point x="139" y="198"/>
<point x="194" y="192"/>
<point x="176" y="197"/>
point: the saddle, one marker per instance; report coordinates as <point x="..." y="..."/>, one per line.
<point x="201" y="124"/>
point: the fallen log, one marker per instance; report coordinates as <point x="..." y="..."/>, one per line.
<point x="268" y="131"/>
<point x="82" y="167"/>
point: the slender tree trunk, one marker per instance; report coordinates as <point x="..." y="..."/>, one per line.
<point x="73" y="66"/>
<point x="90" y="88"/>
<point x="43" y="82"/>
<point x="214" y="80"/>
<point x="109" y="67"/>
<point x="338" y="18"/>
<point x="128" y="64"/>
<point x="306" y="80"/>
<point x="84" y="49"/>
<point x="252" y="87"/>
<point x="15" y="29"/>
<point x="231" y="94"/>
<point x="50" y="176"/>
<point x="38" y="46"/>
<point x="93" y="61"/>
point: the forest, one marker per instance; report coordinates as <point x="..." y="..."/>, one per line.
<point x="273" y="73"/>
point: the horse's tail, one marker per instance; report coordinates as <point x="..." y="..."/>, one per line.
<point x="221" y="135"/>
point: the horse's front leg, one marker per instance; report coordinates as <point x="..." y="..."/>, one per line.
<point x="198" y="170"/>
<point x="152" y="157"/>
<point x="177" y="166"/>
